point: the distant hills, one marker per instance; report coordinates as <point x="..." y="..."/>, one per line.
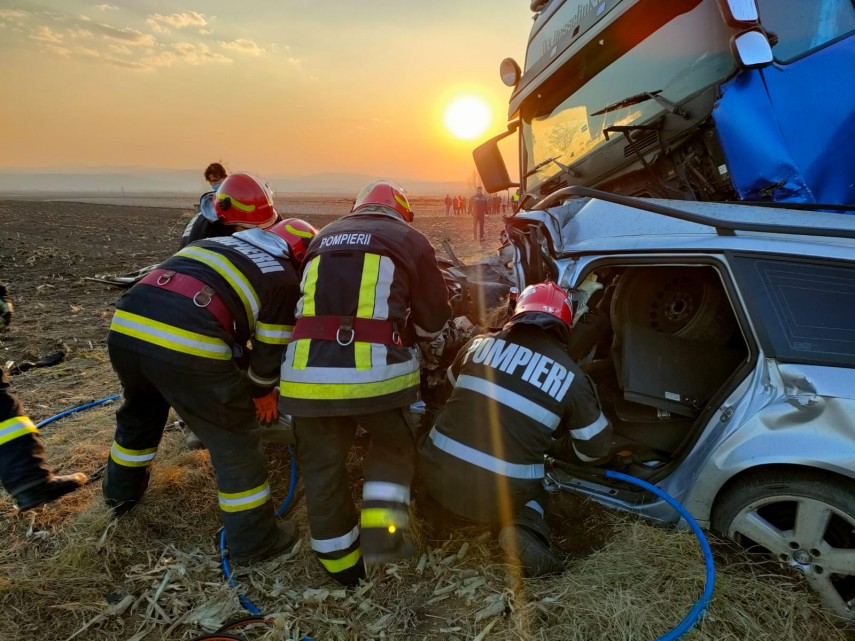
<point x="141" y="180"/>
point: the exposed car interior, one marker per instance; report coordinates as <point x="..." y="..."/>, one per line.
<point x="660" y="342"/>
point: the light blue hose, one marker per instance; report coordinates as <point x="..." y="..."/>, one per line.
<point x="709" y="583"/>
<point x="77" y="409"/>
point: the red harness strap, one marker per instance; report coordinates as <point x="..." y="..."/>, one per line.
<point x="201" y="294"/>
<point x="346" y="329"/>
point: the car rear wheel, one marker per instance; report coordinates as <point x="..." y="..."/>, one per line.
<point x="804" y="519"/>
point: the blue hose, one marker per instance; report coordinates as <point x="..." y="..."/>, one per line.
<point x="709" y="582"/>
<point x="77" y="409"/>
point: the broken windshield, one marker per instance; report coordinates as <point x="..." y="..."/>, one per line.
<point x="686" y="55"/>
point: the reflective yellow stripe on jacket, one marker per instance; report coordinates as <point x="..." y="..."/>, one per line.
<point x="16" y="427"/>
<point x="225" y="268"/>
<point x="273" y="334"/>
<point x="169" y="336"/>
<point x="306" y="307"/>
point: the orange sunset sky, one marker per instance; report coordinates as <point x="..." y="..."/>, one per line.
<point x="291" y="86"/>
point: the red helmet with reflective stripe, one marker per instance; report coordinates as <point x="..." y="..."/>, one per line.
<point x="244" y="199"/>
<point x="387" y="194"/>
<point x="297" y="233"/>
<point x="544" y="298"/>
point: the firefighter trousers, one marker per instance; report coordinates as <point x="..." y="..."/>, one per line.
<point x="338" y="538"/>
<point x="22" y="453"/>
<point x="215" y="403"/>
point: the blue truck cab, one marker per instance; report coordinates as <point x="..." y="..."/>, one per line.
<point x="686" y="99"/>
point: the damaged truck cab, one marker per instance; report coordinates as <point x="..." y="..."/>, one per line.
<point x="686" y="99"/>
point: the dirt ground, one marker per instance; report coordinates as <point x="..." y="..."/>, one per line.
<point x="70" y="571"/>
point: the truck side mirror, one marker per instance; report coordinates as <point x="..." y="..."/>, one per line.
<point x="739" y="13"/>
<point x="490" y="164"/>
<point x="751" y="49"/>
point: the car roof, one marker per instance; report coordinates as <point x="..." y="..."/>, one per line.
<point x="595" y="226"/>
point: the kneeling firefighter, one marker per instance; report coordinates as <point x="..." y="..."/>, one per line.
<point x="172" y="342"/>
<point x="517" y="395"/>
<point x="24" y="473"/>
<point x="371" y="288"/>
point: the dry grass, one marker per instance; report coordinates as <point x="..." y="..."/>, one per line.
<point x="71" y="571"/>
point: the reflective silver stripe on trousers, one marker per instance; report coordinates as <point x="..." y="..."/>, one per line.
<point x="590" y="431"/>
<point x="509" y="399"/>
<point x="338" y="543"/>
<point x="485" y="461"/>
<point x="384" y="491"/>
<point x="534" y="505"/>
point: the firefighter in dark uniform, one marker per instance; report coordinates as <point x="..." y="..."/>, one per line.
<point x="517" y="395"/>
<point x="370" y="289"/>
<point x="172" y="342"/>
<point x="24" y="473"/>
<point x="209" y="221"/>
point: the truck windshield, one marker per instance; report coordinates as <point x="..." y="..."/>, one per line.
<point x="679" y="58"/>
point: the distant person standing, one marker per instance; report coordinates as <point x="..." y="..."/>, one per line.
<point x="461" y="204"/>
<point x="447" y="204"/>
<point x="479" y="204"/>
<point x="215" y="174"/>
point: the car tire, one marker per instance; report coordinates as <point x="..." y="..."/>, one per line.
<point x="685" y="302"/>
<point x="803" y="518"/>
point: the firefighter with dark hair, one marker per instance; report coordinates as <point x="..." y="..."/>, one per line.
<point x="371" y="288"/>
<point x="24" y="473"/>
<point x="517" y="396"/>
<point x="173" y="341"/>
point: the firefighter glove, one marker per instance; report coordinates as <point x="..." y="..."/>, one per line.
<point x="265" y="407"/>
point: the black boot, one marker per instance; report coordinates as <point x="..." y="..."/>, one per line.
<point x="287" y="535"/>
<point x="529" y="550"/>
<point x="53" y="488"/>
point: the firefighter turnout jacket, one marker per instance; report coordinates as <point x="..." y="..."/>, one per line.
<point x="514" y="392"/>
<point x="370" y="284"/>
<point x="247" y="289"/>
<point x="205" y="223"/>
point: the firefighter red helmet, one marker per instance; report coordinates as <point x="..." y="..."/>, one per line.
<point x="297" y="233"/>
<point x="244" y="199"/>
<point x="387" y="194"/>
<point x="544" y="298"/>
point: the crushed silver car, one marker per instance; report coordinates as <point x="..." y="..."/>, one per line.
<point x="721" y="338"/>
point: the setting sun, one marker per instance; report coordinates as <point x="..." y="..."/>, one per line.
<point x="467" y="117"/>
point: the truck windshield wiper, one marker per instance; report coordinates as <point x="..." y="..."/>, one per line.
<point x="644" y="96"/>
<point x="543" y="164"/>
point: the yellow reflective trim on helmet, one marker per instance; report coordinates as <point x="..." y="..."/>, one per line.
<point x="225" y="268"/>
<point x="15" y="428"/>
<point x="235" y="203"/>
<point x="402" y="202"/>
<point x="334" y="566"/>
<point x="381" y="517"/>
<point x="299" y="232"/>
<point x="343" y="391"/>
